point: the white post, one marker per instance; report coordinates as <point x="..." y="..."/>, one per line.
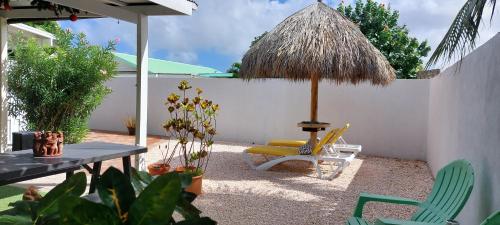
<point x="142" y="89"/>
<point x="3" y="85"/>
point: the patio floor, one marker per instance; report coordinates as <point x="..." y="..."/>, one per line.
<point x="233" y="193"/>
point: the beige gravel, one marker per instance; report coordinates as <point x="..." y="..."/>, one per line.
<point x="233" y="193"/>
<point x="290" y="193"/>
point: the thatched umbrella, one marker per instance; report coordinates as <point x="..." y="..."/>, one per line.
<point x="317" y="43"/>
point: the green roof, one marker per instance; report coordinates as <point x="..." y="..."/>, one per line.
<point x="158" y="66"/>
<point x="217" y="75"/>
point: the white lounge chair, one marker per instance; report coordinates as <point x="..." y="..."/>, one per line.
<point x="324" y="151"/>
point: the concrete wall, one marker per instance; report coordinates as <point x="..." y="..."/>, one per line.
<point x="464" y="123"/>
<point x="388" y="121"/>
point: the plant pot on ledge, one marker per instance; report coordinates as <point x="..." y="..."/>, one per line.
<point x="48" y="144"/>
<point x="131" y="130"/>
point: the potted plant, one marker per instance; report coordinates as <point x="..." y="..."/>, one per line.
<point x="130" y="124"/>
<point x="120" y="201"/>
<point x="163" y="166"/>
<point x="192" y="125"/>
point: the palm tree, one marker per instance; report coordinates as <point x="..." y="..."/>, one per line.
<point x="463" y="32"/>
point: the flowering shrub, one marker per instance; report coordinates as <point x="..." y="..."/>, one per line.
<point x="193" y="124"/>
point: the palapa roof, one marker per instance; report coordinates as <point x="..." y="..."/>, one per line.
<point x="317" y="40"/>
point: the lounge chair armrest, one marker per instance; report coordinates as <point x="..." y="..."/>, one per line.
<point x="385" y="221"/>
<point x="367" y="197"/>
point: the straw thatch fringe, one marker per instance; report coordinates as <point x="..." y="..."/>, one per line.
<point x="317" y="40"/>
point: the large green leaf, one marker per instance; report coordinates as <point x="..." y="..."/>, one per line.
<point x="15" y="220"/>
<point x="186" y="209"/>
<point x="188" y="196"/>
<point x="116" y="191"/>
<point x="140" y="179"/>
<point x="25" y="208"/>
<point x="74" y="186"/>
<point x="157" y="202"/>
<point x="79" y="211"/>
<point x="197" y="221"/>
<point x="186" y="180"/>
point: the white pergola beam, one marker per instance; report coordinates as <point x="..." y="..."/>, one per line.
<point x="3" y="85"/>
<point x="99" y="8"/>
<point x="141" y="113"/>
<point x="36" y="14"/>
<point x="182" y="6"/>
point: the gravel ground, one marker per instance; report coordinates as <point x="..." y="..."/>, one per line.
<point x="290" y="193"/>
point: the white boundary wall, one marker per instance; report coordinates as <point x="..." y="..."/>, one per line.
<point x="464" y="123"/>
<point x="388" y="121"/>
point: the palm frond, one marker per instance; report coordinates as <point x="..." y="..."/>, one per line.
<point x="463" y="32"/>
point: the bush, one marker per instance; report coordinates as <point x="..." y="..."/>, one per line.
<point x="141" y="200"/>
<point x="57" y="88"/>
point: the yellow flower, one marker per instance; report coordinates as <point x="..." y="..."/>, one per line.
<point x="199" y="91"/>
<point x="190" y="107"/>
<point x="173" y="98"/>
<point x="196" y="100"/>
<point x="215" y="107"/>
<point x="204" y="104"/>
<point x="211" y="131"/>
<point x="184" y="85"/>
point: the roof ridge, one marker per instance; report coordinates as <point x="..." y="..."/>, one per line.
<point x="164" y="60"/>
<point x="157" y="65"/>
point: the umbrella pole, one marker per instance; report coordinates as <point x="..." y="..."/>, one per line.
<point x="314" y="106"/>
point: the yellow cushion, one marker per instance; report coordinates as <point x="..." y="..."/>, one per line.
<point x="287" y="143"/>
<point x="273" y="150"/>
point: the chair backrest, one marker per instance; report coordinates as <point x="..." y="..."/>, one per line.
<point x="324" y="141"/>
<point x="449" y="194"/>
<point x="494" y="219"/>
<point x="329" y="138"/>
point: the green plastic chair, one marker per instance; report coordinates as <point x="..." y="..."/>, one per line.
<point x="449" y="194"/>
<point x="493" y="219"/>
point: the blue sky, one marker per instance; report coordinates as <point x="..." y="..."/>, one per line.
<point x="220" y="31"/>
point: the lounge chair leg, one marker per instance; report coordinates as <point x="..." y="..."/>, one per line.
<point x="248" y="160"/>
<point x="318" y="169"/>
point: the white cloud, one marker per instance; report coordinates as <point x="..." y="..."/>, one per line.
<point x="185" y="56"/>
<point x="226" y="27"/>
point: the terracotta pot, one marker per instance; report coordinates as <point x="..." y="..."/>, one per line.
<point x="180" y="169"/>
<point x="158" y="169"/>
<point x="48" y="144"/>
<point x="131" y="130"/>
<point x="196" y="185"/>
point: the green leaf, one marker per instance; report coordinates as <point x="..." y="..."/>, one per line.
<point x="197" y="221"/>
<point x="140" y="179"/>
<point x="74" y="186"/>
<point x="27" y="208"/>
<point x="79" y="211"/>
<point x="15" y="220"/>
<point x="186" y="180"/>
<point x="116" y="191"/>
<point x="188" y="196"/>
<point x="156" y="203"/>
<point x="186" y="209"/>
